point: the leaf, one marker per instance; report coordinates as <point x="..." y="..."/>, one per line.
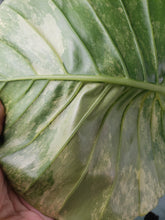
<point x="83" y="86"/>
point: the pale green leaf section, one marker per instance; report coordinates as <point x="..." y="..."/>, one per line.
<point x="82" y="82"/>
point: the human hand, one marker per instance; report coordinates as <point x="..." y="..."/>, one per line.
<point x="12" y="207"/>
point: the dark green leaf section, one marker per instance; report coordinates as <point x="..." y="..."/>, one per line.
<point x="157" y="16"/>
<point x="83" y="86"/>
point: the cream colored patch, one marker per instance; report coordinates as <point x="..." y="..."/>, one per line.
<point x="148" y="190"/>
<point x="52" y="6"/>
<point x="124" y="199"/>
<point x="155" y="125"/>
<point x="137" y="174"/>
<point x="102" y="167"/>
<point x="1" y="25"/>
<point x="54" y="34"/>
<point x="120" y="10"/>
<point x="99" y="209"/>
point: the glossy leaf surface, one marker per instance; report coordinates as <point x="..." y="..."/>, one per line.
<point x="83" y="86"/>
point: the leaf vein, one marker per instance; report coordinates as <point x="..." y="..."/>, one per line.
<point x="78" y="36"/>
<point x="16" y="50"/>
<point x="139" y="150"/>
<point x="3" y="86"/>
<point x="16" y="101"/>
<point x="153" y="42"/>
<point x="89" y="111"/>
<point x="151" y="131"/>
<point x="135" y="40"/>
<point x="137" y="94"/>
<point x="28" y="107"/>
<point x="85" y="170"/>
<point x="42" y="37"/>
<point x="53" y="118"/>
<point x="123" y="64"/>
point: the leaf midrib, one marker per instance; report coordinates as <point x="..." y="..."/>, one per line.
<point x="122" y="81"/>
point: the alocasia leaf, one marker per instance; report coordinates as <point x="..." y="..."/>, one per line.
<point x="83" y="86"/>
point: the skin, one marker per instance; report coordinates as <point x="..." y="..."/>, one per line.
<point x="12" y="207"/>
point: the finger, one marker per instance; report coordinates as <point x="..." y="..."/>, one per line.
<point x="6" y="207"/>
<point x="29" y="207"/>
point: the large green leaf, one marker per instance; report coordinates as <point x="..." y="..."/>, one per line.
<point x="83" y="86"/>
